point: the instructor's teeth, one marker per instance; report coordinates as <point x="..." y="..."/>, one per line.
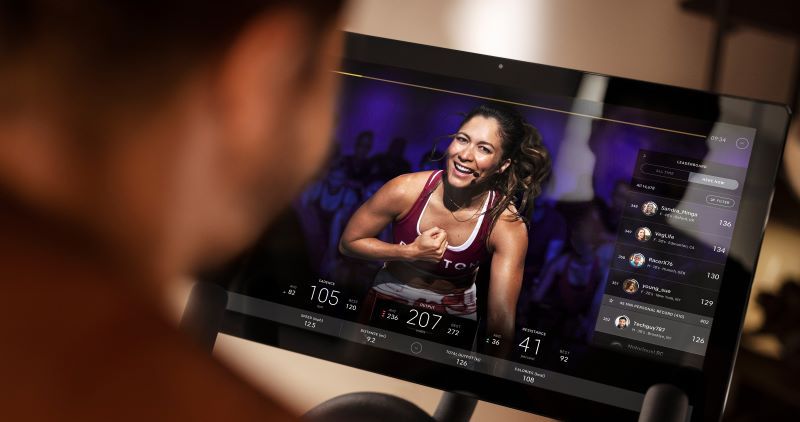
<point x="462" y="168"/>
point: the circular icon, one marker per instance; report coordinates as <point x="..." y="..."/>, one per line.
<point x="630" y="286"/>
<point x="636" y="260"/>
<point x="643" y="234"/>
<point x="416" y="347"/>
<point x="622" y="322"/>
<point x="649" y="208"/>
<point x="742" y="143"/>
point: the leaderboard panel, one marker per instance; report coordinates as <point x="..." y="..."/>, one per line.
<point x="670" y="254"/>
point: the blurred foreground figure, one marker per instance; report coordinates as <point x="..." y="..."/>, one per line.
<point x="141" y="141"/>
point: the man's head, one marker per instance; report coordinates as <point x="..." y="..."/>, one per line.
<point x="619" y="196"/>
<point x="364" y="144"/>
<point x="172" y="131"/>
<point x="397" y="148"/>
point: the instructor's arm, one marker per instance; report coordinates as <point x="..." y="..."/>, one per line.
<point x="509" y="241"/>
<point x="360" y="240"/>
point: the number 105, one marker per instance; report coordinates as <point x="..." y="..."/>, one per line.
<point x="324" y="295"/>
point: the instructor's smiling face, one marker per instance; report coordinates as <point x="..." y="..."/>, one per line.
<point x="475" y="153"/>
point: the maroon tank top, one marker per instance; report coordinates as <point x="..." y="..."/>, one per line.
<point x="458" y="260"/>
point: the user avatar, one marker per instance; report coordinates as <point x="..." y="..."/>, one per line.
<point x="643" y="234"/>
<point x="621" y="322"/>
<point x="649" y="208"/>
<point x="630" y="286"/>
<point x="636" y="260"/>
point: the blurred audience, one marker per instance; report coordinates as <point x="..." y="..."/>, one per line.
<point x="392" y="163"/>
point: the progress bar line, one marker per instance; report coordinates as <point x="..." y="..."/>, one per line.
<point x="555" y="110"/>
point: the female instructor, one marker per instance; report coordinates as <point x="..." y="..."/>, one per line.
<point x="447" y="223"/>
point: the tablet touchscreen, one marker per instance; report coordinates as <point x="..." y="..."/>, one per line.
<point x="615" y="276"/>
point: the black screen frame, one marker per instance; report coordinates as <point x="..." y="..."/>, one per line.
<point x="769" y="119"/>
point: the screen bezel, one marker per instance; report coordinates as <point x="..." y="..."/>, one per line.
<point x="771" y="122"/>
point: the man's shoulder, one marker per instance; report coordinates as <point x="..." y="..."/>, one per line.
<point x="162" y="365"/>
<point x="79" y="344"/>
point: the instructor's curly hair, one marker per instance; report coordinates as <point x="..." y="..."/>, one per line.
<point x="522" y="180"/>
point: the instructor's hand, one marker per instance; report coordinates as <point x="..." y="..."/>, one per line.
<point x="429" y="246"/>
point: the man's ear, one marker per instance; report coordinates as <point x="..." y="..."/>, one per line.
<point x="255" y="76"/>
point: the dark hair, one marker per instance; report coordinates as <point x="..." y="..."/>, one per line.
<point x="366" y="134"/>
<point x="141" y="47"/>
<point x="522" y="181"/>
